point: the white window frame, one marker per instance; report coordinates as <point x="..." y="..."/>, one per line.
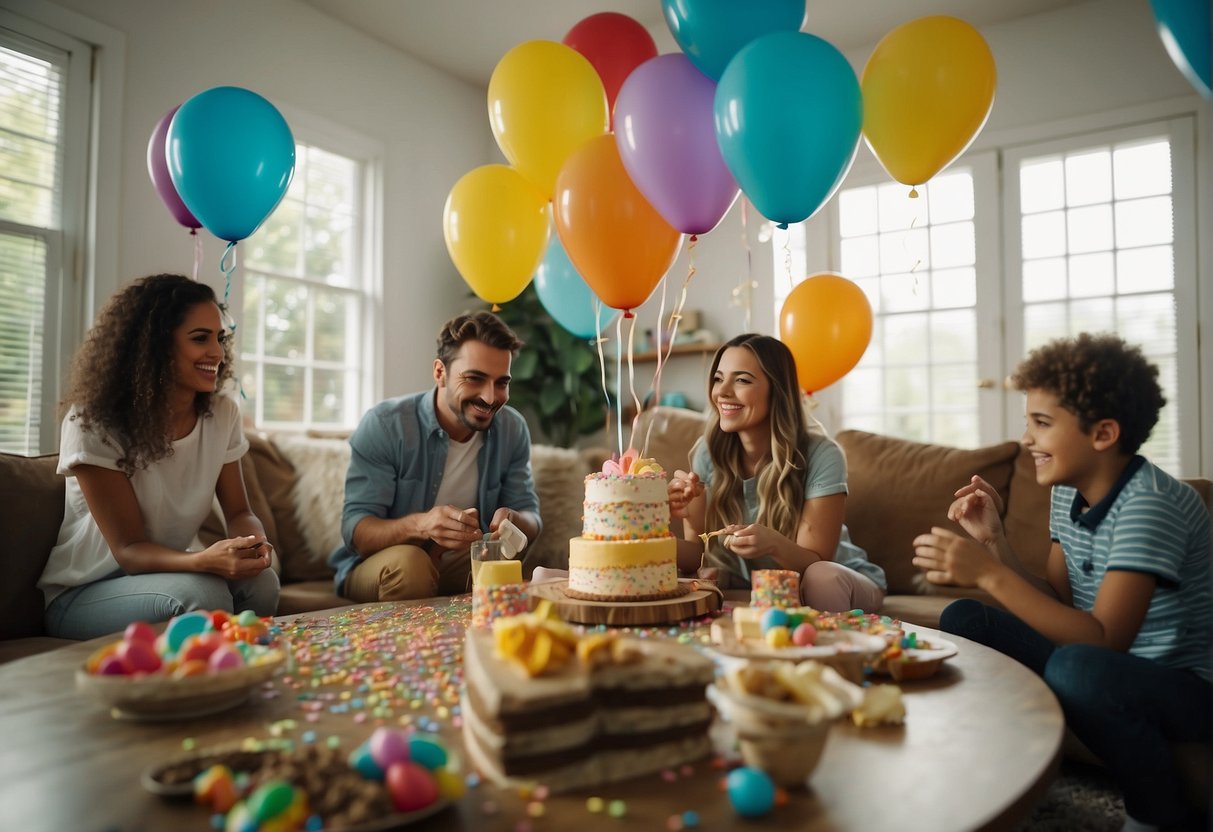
<point x="82" y="252"/>
<point x="1181" y="132"/>
<point x="315" y="131"/>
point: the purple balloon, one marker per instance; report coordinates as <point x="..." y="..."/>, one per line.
<point x="666" y="133"/>
<point x="157" y="168"/>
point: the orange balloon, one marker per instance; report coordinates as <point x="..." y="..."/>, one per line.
<point x="617" y="241"/>
<point x="827" y="323"/>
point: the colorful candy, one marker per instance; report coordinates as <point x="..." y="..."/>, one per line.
<point x="750" y="791"/>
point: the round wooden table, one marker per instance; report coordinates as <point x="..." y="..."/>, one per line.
<point x="980" y="744"/>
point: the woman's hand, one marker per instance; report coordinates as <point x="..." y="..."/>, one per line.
<point x="238" y="558"/>
<point x="978" y="509"/>
<point x="683" y="489"/>
<point x="752" y="541"/>
<point x="948" y="558"/>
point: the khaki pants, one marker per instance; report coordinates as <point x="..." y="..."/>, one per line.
<point x="405" y="573"/>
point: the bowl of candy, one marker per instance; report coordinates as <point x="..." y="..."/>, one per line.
<point x="782" y="713"/>
<point x="392" y="779"/>
<point x="202" y="663"/>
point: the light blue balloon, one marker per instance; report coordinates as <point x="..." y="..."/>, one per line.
<point x="1186" y="29"/>
<point x="711" y="32"/>
<point x="566" y="296"/>
<point x="788" y="115"/>
<point x="231" y="157"/>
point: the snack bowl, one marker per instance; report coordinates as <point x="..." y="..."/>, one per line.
<point x="157" y="697"/>
<point x="921" y="662"/>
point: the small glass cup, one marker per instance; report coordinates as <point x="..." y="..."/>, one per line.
<point x="483" y="550"/>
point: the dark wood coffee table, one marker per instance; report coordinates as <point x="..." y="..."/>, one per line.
<point x="979" y="747"/>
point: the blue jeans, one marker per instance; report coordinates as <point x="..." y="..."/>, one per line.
<point x="108" y="605"/>
<point x="1124" y="708"/>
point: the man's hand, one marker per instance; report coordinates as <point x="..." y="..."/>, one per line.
<point x="450" y="527"/>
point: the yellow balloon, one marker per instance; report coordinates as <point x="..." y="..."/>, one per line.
<point x="545" y="101"/>
<point x="495" y="223"/>
<point x="927" y="91"/>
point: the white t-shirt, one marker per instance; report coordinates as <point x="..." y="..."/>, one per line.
<point x="461" y="476"/>
<point x="175" y="494"/>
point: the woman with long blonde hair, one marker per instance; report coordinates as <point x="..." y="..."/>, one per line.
<point x="774" y="489"/>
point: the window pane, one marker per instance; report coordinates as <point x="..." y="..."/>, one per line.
<point x="906" y="339"/>
<point x="1143" y="170"/>
<point x="903" y="251"/>
<point x="1043" y="322"/>
<point x="862" y="390"/>
<point x="954" y="287"/>
<point x="909" y="425"/>
<point x="329" y="255"/>
<point x="1145" y="269"/>
<point x="953" y="245"/>
<point x="1044" y="279"/>
<point x="22" y="315"/>
<point x="275" y="246"/>
<point x="285" y="319"/>
<point x="897" y="210"/>
<point x="332" y="182"/>
<point x="860" y="257"/>
<point x="1089" y="178"/>
<point x="1044" y="235"/>
<point x="328" y="396"/>
<point x="1093" y="315"/>
<point x="1089" y="229"/>
<point x="1091" y="275"/>
<point x="950" y="197"/>
<point x="907" y="388"/>
<point x="902" y="293"/>
<point x="1041" y="186"/>
<point x="955" y="429"/>
<point x="1144" y="222"/>
<point x="857" y="211"/>
<point x="954" y="336"/>
<point x="283" y="399"/>
<point x="1149" y="322"/>
<point x="954" y="387"/>
<point x="332" y="325"/>
<point x="31" y="91"/>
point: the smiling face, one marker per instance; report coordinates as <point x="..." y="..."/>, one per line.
<point x="1064" y="453"/>
<point x="741" y="392"/>
<point x="198" y="349"/>
<point x="472" y="388"/>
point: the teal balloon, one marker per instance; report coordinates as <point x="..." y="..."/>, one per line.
<point x="566" y="296"/>
<point x="231" y="157"/>
<point x="788" y="113"/>
<point x="711" y="32"/>
<point x="1186" y="29"/>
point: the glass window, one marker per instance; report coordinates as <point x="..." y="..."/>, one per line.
<point x="307" y="299"/>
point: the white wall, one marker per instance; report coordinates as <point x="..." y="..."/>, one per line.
<point x="1093" y="58"/>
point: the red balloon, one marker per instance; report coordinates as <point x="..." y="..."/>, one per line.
<point x="614" y="44"/>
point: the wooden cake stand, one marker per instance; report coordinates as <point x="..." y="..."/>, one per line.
<point x="697" y="602"/>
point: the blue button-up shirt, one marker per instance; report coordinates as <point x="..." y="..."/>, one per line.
<point x="397" y="458"/>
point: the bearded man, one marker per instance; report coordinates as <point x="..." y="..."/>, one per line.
<point x="432" y="471"/>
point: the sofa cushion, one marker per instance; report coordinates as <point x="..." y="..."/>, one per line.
<point x="899" y="489"/>
<point x="667" y="435"/>
<point x="31" y="498"/>
<point x="560" y="486"/>
<point x="214" y="528"/>
<point x="316" y="502"/>
<point x="277" y="476"/>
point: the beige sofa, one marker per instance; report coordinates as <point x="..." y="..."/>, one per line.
<point x="295" y="483"/>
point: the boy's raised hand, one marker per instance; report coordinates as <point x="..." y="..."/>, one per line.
<point x="978" y="510"/>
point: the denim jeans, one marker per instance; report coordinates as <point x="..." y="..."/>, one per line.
<point x="108" y="605"/>
<point x="1124" y="708"/>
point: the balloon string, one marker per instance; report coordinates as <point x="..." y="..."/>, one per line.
<point x="787" y="260"/>
<point x="619" y="384"/>
<point x="598" y="341"/>
<point x="631" y="387"/>
<point x="748" y="304"/>
<point x="197" y="252"/>
<point x="906" y="246"/>
<point x="227" y="269"/>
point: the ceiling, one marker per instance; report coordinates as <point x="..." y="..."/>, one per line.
<point x="467" y="38"/>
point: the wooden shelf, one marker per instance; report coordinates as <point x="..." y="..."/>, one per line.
<point x="650" y="356"/>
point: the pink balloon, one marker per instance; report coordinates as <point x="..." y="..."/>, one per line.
<point x="666" y="132"/>
<point x="157" y="168"/>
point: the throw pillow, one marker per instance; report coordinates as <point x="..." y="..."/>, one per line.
<point x="899" y="489"/>
<point x="560" y="485"/>
<point x="317" y="500"/>
<point x="277" y="477"/>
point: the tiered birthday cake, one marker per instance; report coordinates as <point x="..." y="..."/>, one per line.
<point x="626" y="551"/>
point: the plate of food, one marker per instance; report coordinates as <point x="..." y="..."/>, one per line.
<point x="913" y="657"/>
<point x="847" y="651"/>
<point x="337" y="793"/>
<point x="159" y="696"/>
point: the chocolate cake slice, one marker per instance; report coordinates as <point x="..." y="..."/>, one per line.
<point x="641" y="709"/>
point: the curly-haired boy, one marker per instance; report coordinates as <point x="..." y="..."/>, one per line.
<point x="1119" y="627"/>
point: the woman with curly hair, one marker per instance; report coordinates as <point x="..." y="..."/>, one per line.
<point x="776" y="490"/>
<point x="146" y="445"/>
